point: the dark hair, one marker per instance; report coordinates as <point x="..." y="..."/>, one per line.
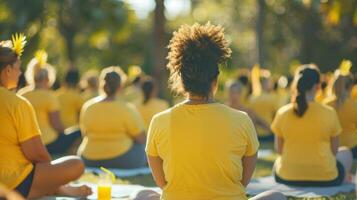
<point x="243" y="79"/>
<point x="7" y="57"/>
<point x="195" y="52"/>
<point x="147" y="86"/>
<point x="323" y="85"/>
<point x="111" y="80"/>
<point x="72" y="77"/>
<point x="306" y="78"/>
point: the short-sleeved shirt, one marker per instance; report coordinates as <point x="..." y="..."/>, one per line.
<point x="108" y="128"/>
<point x="347" y="114"/>
<point x="265" y="106"/>
<point x="44" y="102"/>
<point x="17" y="124"/>
<point x="307" y="153"/>
<point x="150" y="108"/>
<point x="71" y="102"/>
<point x="133" y="94"/>
<point x="202" y="147"/>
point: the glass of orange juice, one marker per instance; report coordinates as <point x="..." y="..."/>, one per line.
<point x="104" y="187"/>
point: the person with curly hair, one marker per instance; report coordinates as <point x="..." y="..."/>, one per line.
<point x="201" y="149"/>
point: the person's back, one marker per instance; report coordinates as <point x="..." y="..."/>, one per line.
<point x="70" y="99"/>
<point x="108" y="128"/>
<point x="347" y="113"/>
<point x="306" y="137"/>
<point x="202" y="147"/>
<point x="71" y="102"/>
<point x="265" y="106"/>
<point x="13" y="163"/>
<point x="307" y="153"/>
<point x="44" y="102"/>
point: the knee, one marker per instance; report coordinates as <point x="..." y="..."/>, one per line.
<point x="345" y="151"/>
<point x="76" y="167"/>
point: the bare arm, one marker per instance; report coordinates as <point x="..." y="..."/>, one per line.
<point x="279" y="144"/>
<point x="55" y="121"/>
<point x="155" y="164"/>
<point x="334" y="144"/>
<point x="248" y="168"/>
<point x="35" y="151"/>
<point x="141" y="138"/>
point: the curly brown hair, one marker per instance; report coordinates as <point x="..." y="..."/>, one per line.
<point x="195" y="53"/>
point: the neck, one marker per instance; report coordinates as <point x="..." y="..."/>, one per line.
<point x="195" y="99"/>
<point x="110" y="98"/>
<point x="310" y="96"/>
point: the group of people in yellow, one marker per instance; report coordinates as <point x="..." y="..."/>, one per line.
<point x="197" y="149"/>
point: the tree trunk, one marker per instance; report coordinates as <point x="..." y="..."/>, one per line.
<point x="307" y="36"/>
<point x="260" y="31"/>
<point x="159" y="50"/>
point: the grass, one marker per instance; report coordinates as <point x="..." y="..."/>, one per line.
<point x="263" y="168"/>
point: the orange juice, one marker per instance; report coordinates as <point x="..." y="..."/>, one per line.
<point x="104" y="192"/>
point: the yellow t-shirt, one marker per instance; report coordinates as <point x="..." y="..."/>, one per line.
<point x="265" y="106"/>
<point x="44" y="102"/>
<point x="133" y="94"/>
<point x="347" y="114"/>
<point x="71" y="103"/>
<point x="18" y="124"/>
<point x="152" y="107"/>
<point x="354" y="92"/>
<point x="307" y="151"/>
<point x="89" y="94"/>
<point x="202" y="147"/>
<point x="108" y="128"/>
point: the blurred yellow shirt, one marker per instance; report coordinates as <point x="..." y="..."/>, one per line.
<point x="89" y="94"/>
<point x="150" y="108"/>
<point x="18" y="124"/>
<point x="265" y="106"/>
<point x="202" y="147"/>
<point x="354" y="92"/>
<point x="347" y="115"/>
<point x="71" y="103"/>
<point x="44" y="102"/>
<point x="108" y="128"/>
<point x="133" y="94"/>
<point x="307" y="151"/>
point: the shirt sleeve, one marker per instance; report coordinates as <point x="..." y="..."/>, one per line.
<point x="276" y="125"/>
<point x="252" y="138"/>
<point x="25" y="121"/>
<point x="134" y="122"/>
<point x="151" y="141"/>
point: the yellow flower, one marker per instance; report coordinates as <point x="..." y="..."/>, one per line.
<point x="18" y="43"/>
<point x="41" y="57"/>
<point x="345" y="67"/>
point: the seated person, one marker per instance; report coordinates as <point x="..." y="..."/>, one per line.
<point x="70" y="99"/>
<point x="25" y="165"/>
<point x="346" y="109"/>
<point x="41" y="75"/>
<point x="306" y="139"/>
<point x="113" y="130"/>
<point x="201" y="149"/>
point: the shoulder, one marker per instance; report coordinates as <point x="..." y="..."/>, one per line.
<point x="288" y="108"/>
<point x="92" y="102"/>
